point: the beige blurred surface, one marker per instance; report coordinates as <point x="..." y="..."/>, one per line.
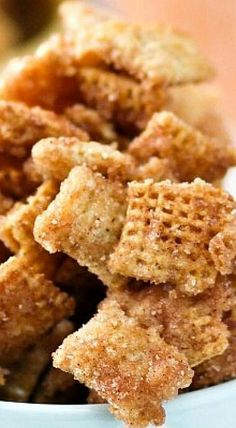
<point x="211" y="22"/>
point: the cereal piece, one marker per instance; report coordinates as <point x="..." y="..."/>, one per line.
<point x="190" y="153"/>
<point x="45" y="79"/>
<point x="55" y="157"/>
<point x="159" y="55"/>
<point x="222" y="367"/>
<point x="168" y="231"/>
<point x="16" y="229"/>
<point x="85" y="221"/>
<point x="223" y="249"/>
<point x="192" y="324"/>
<point x="205" y="111"/>
<point x="129" y="366"/>
<point x="92" y="122"/>
<point x="119" y="98"/>
<point x="21" y="127"/>
<point x="29" y="306"/>
<point x="25" y="373"/>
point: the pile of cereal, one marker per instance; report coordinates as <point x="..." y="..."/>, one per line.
<point x="117" y="238"/>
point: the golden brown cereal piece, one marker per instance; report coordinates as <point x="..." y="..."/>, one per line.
<point x="16" y="229"/>
<point x="159" y="55"/>
<point x="24" y="374"/>
<point x="223" y="249"/>
<point x="85" y="221"/>
<point x="190" y="153"/>
<point x="119" y="98"/>
<point x="192" y="324"/>
<point x="55" y="157"/>
<point x="92" y="122"/>
<point x="167" y="233"/>
<point x="29" y="306"/>
<point x="205" y="111"/>
<point x="21" y="127"/>
<point x="222" y="367"/>
<point x="129" y="366"/>
<point x="45" y="79"/>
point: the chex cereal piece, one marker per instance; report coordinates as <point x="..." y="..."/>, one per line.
<point x="220" y="368"/>
<point x="55" y="157"/>
<point x="21" y="127"/>
<point x="24" y="374"/>
<point x="129" y="366"/>
<point x="191" y="323"/>
<point x="158" y="169"/>
<point x="85" y="221"/>
<point x="190" y="153"/>
<point x="168" y="231"/>
<point x="16" y="229"/>
<point x="119" y="98"/>
<point x="159" y="55"/>
<point x="92" y="122"/>
<point x="30" y="305"/>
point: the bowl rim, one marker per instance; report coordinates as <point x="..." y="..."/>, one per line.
<point x="184" y="401"/>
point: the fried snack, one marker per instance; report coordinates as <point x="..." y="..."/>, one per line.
<point x="119" y="98"/>
<point x="158" y="55"/>
<point x="223" y="249"/>
<point x="205" y="111"/>
<point x="93" y="123"/>
<point x="167" y="233"/>
<point x="129" y="366"/>
<point x="85" y="221"/>
<point x="21" y="127"/>
<point x="16" y="229"/>
<point x="192" y="324"/>
<point x="45" y="79"/>
<point x="29" y="306"/>
<point x="24" y="374"/>
<point x="55" y="157"/>
<point x="190" y="153"/>
<point x="222" y="367"/>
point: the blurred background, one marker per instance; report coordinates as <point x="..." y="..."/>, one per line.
<point x="23" y="23"/>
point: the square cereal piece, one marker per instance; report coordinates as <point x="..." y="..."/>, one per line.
<point x="55" y="157"/>
<point x="167" y="233"/>
<point x="129" y="366"/>
<point x="159" y="55"/>
<point x="85" y="221"/>
<point x="190" y="153"/>
<point x="29" y="306"/>
<point x="191" y="323"/>
<point x="21" y="127"/>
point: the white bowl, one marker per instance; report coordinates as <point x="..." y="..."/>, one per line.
<point x="213" y="407"/>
